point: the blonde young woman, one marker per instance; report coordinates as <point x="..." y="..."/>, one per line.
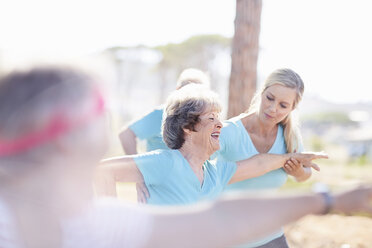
<point x="267" y="127"/>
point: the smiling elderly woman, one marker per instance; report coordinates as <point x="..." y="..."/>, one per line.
<point x="184" y="175"/>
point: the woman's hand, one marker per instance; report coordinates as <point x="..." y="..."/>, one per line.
<point x="306" y="158"/>
<point x="142" y="193"/>
<point x="294" y="168"/>
<point x="354" y="201"/>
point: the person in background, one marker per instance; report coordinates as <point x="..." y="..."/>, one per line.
<point x="52" y="135"/>
<point x="184" y="174"/>
<point x="268" y="126"/>
<point x="148" y="127"/>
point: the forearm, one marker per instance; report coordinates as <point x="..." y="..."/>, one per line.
<point x="112" y="170"/>
<point x="258" y="165"/>
<point x="128" y="141"/>
<point x="232" y="220"/>
<point x="120" y="169"/>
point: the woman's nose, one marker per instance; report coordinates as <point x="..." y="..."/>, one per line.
<point x="219" y="124"/>
<point x="272" y="108"/>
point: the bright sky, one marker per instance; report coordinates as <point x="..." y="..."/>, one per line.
<point x="328" y="42"/>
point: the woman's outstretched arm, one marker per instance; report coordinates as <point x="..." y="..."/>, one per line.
<point x="240" y="218"/>
<point x="112" y="170"/>
<point x="263" y="163"/>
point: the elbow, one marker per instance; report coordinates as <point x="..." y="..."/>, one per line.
<point x="125" y="134"/>
<point x="128" y="141"/>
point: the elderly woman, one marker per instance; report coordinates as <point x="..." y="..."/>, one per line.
<point x="184" y="174"/>
<point x="148" y="127"/>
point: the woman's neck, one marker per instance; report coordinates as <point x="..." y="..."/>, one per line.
<point x="253" y="124"/>
<point x="195" y="156"/>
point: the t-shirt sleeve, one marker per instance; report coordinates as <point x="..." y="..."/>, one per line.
<point x="226" y="170"/>
<point x="149" y="125"/>
<point x="154" y="166"/>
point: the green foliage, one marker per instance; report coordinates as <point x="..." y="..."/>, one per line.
<point x="360" y="161"/>
<point x="196" y="51"/>
<point x="328" y="117"/>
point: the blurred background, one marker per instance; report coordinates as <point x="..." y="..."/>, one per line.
<point x="140" y="47"/>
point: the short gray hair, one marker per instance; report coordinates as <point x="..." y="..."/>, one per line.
<point x="183" y="109"/>
<point x="192" y="75"/>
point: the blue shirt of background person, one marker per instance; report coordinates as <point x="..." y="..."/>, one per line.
<point x="148" y="128"/>
<point x="171" y="181"/>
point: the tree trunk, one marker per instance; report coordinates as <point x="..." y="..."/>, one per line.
<point x="244" y="55"/>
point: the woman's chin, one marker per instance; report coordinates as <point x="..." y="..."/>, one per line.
<point x="215" y="148"/>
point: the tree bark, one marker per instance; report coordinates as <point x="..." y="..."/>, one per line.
<point x="244" y="55"/>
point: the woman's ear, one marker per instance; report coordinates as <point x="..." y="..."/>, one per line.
<point x="186" y="130"/>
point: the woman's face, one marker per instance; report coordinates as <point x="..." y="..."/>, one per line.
<point x="208" y="131"/>
<point x="276" y="103"/>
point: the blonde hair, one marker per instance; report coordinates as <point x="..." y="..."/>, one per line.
<point x="287" y="78"/>
<point x="192" y="75"/>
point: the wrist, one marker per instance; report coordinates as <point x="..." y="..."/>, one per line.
<point x="303" y="174"/>
<point x="328" y="202"/>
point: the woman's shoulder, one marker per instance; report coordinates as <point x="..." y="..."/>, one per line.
<point x="235" y="123"/>
<point x="159" y="154"/>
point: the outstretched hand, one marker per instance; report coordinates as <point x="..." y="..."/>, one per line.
<point x="355" y="200"/>
<point x="306" y="158"/>
<point x="294" y="168"/>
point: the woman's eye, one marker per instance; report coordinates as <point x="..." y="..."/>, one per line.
<point x="269" y="98"/>
<point x="283" y="106"/>
<point x="211" y="118"/>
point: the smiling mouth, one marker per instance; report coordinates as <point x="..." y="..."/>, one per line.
<point x="215" y="135"/>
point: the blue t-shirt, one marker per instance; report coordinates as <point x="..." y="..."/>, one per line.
<point x="148" y="128"/>
<point x="171" y="181"/>
<point x="235" y="145"/>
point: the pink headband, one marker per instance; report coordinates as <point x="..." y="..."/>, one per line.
<point x="57" y="126"/>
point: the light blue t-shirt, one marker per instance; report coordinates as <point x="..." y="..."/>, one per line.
<point x="235" y="145"/>
<point x="148" y="128"/>
<point x="171" y="181"/>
